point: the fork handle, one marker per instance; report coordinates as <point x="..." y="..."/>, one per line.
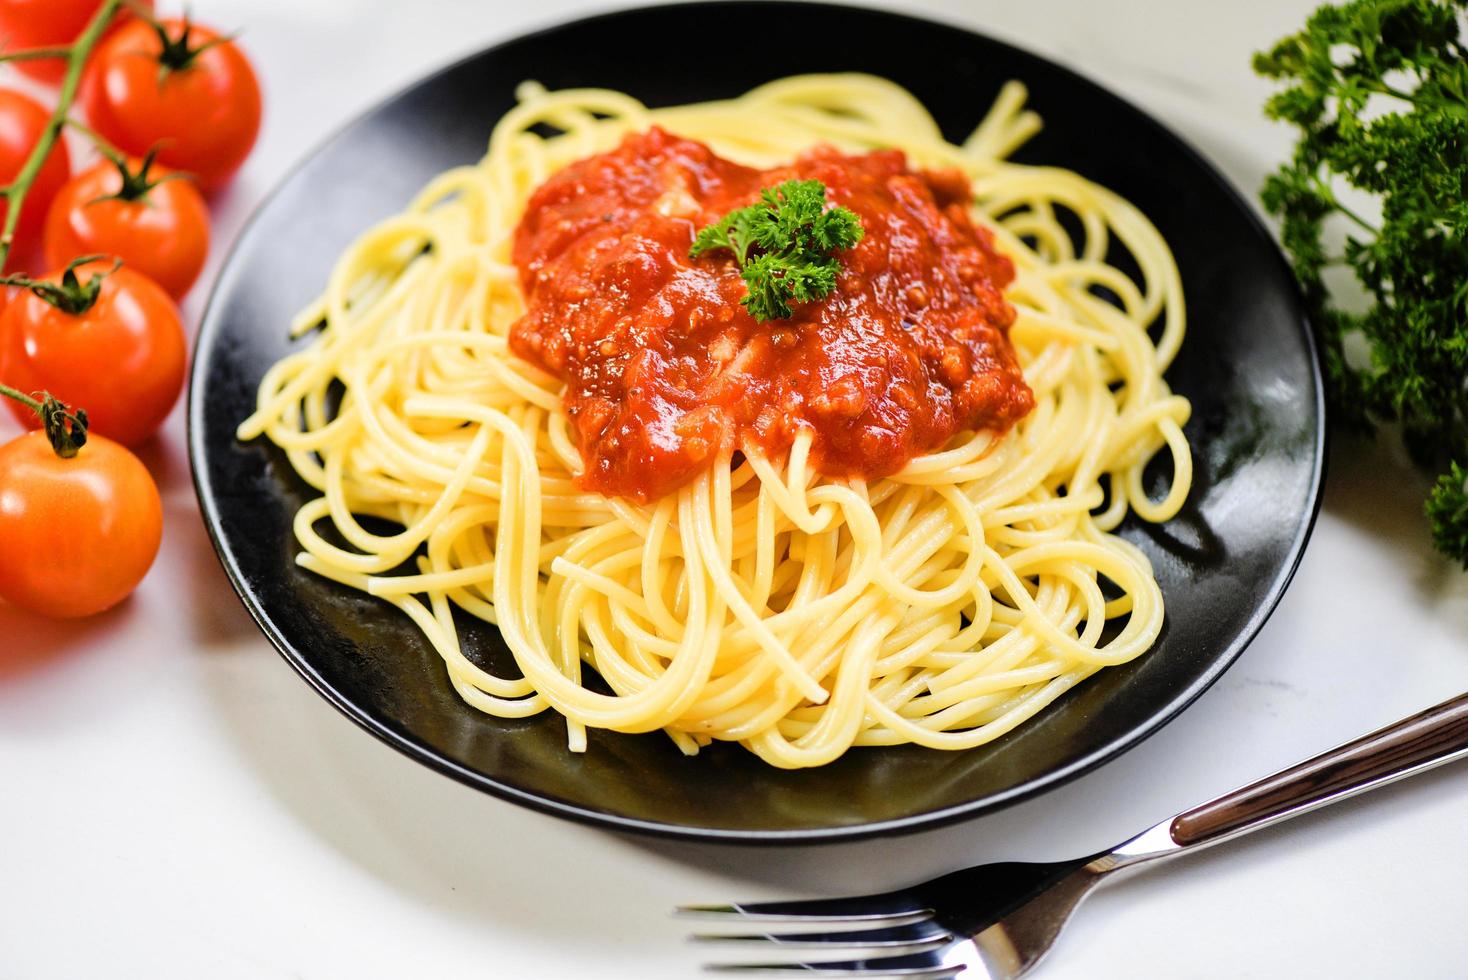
<point x="1426" y="739"/>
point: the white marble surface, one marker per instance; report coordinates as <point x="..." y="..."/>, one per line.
<point x="175" y="803"/>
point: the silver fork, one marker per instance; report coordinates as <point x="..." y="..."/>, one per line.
<point x="999" y="920"/>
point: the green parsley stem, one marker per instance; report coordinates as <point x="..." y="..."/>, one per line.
<point x="1326" y="192"/>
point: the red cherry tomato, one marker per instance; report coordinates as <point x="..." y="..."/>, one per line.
<point x="122" y="359"/>
<point x="162" y="232"/>
<point x="202" y="108"/>
<point x="48" y="24"/>
<point x="22" y="122"/>
<point x="76" y="535"/>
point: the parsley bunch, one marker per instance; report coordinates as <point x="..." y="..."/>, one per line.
<point x="783" y="245"/>
<point x="1379" y="91"/>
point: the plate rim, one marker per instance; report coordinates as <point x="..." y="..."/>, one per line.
<point x="208" y="331"/>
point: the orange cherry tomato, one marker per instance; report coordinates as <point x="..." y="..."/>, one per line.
<point x="22" y="122"/>
<point x="122" y="359"/>
<point x="162" y="232"/>
<point x="49" y="24"/>
<point x="76" y="535"/>
<point x="200" y="107"/>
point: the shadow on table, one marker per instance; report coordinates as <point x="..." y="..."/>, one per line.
<point x="30" y="643"/>
<point x="437" y="844"/>
<point x="1371" y="485"/>
<point x="848" y="869"/>
<point x="217" y="619"/>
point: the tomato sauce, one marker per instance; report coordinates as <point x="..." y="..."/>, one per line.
<point x="665" y="370"/>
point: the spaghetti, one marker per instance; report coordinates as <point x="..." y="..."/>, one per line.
<point x="759" y="602"/>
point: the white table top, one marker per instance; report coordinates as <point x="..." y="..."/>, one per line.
<point x="175" y="802"/>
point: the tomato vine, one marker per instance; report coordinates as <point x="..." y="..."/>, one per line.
<point x="66" y="429"/>
<point x="76" y="58"/>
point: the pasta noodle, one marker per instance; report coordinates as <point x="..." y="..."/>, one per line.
<point x="762" y="603"/>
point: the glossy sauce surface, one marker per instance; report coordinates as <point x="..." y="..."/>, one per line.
<point x="665" y="369"/>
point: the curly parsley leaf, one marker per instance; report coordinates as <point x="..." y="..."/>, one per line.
<point x="1379" y="92"/>
<point x="783" y="245"/>
<point x="1447" y="509"/>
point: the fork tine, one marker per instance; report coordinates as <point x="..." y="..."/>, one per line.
<point x="889" y="908"/>
<point x="912" y="967"/>
<point x="916" y="936"/>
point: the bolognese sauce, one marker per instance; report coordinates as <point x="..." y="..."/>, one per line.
<point x="665" y="369"/>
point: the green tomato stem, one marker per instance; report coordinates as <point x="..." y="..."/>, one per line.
<point x="103" y="144"/>
<point x="66" y="430"/>
<point x="77" y="55"/>
<point x="20" y="396"/>
<point x="36" y="54"/>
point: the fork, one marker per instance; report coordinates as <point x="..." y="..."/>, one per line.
<point x="998" y="920"/>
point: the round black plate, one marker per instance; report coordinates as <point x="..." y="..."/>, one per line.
<point x="1248" y="366"/>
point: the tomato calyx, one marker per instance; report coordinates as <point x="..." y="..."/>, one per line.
<point x="176" y="53"/>
<point x="65" y="429"/>
<point x="135" y="183"/>
<point x="70" y="295"/>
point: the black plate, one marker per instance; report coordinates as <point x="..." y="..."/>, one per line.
<point x="1248" y="366"/>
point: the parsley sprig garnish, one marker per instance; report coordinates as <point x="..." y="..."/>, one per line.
<point x="1379" y="91"/>
<point x="784" y="246"/>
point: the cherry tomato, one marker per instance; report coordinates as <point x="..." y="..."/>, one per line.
<point x="202" y="108"/>
<point x="76" y="535"/>
<point x="162" y="232"/>
<point x="48" y="24"/>
<point x="122" y="359"/>
<point x="22" y="122"/>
